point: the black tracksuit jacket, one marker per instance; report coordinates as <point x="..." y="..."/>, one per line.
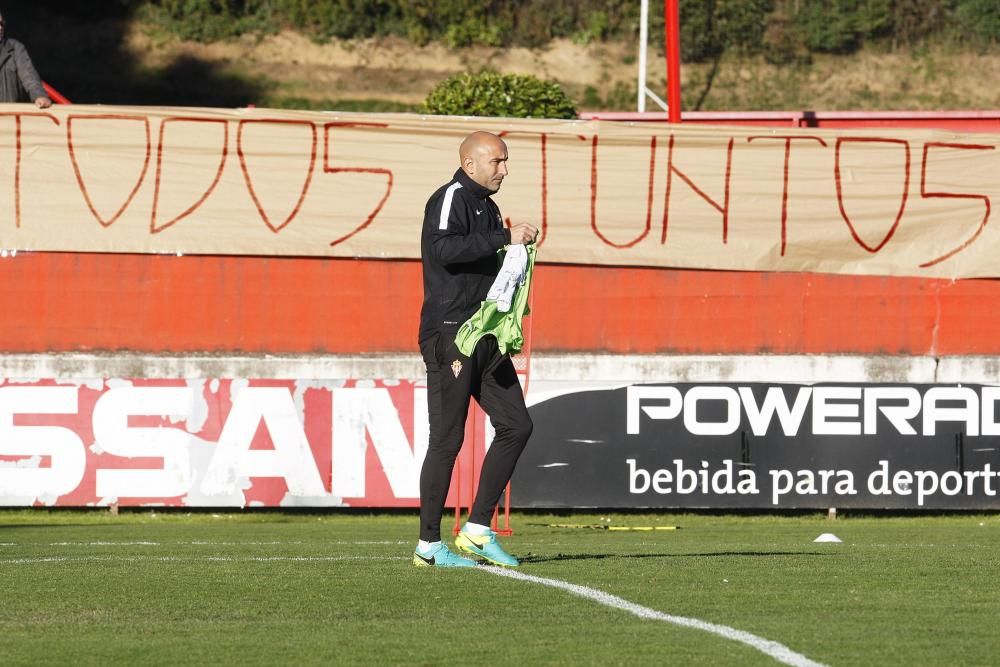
<point x="462" y="232"/>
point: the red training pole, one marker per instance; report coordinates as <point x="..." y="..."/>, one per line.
<point x="672" y="37"/>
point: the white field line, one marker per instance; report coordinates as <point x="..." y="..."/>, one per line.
<point x="185" y="559"/>
<point x="200" y="543"/>
<point x="104" y="544"/>
<point x="779" y="652"/>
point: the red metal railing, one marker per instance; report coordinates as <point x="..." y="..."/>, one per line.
<point x="965" y="120"/>
<point x="55" y="95"/>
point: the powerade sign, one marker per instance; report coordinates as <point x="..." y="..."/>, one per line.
<point x="761" y="445"/>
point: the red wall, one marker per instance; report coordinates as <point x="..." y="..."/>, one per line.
<point x="167" y="304"/>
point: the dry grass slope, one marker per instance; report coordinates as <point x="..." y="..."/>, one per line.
<point x="290" y="70"/>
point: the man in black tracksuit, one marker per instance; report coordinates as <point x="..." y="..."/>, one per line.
<point x="462" y="232"/>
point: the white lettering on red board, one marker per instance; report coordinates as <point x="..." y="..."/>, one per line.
<point x="68" y="457"/>
<point x="359" y="412"/>
<point x="45" y="462"/>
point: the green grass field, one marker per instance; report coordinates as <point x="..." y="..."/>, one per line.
<point x="269" y="588"/>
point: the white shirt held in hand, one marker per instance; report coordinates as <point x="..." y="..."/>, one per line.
<point x="510" y="276"/>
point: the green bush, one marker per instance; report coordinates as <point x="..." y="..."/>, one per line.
<point x="710" y="27"/>
<point x="209" y="20"/>
<point x="338" y="18"/>
<point x="783" y="44"/>
<point x="455" y="22"/>
<point x="828" y="28"/>
<point x="784" y="30"/>
<point x="537" y="22"/>
<point x="979" y="20"/>
<point x="840" y="26"/>
<point x="916" y="20"/>
<point x="504" y="95"/>
<point x="596" y="29"/>
<point x="474" y="30"/>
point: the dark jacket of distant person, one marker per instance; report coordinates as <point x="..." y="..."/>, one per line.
<point x="19" y="80"/>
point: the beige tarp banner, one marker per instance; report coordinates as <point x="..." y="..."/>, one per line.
<point x="266" y="182"/>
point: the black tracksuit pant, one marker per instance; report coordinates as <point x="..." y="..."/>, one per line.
<point x="452" y="378"/>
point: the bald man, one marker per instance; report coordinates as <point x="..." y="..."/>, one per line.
<point x="463" y="230"/>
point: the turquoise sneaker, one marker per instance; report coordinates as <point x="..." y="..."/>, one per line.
<point x="441" y="556"/>
<point x="485" y="546"/>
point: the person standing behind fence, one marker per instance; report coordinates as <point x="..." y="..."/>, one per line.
<point x="462" y="232"/>
<point x="19" y="80"/>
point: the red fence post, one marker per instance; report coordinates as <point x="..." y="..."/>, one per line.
<point x="672" y="45"/>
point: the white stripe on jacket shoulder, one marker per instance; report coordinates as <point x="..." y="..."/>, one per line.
<point x="446" y="204"/>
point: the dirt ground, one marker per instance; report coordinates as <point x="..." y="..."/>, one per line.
<point x="388" y="68"/>
<point x="289" y="65"/>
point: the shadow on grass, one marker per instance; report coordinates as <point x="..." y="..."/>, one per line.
<point x="82" y="50"/>
<point x="108" y="524"/>
<point x="715" y="554"/>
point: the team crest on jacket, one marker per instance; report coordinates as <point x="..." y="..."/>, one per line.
<point x="456" y="367"/>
